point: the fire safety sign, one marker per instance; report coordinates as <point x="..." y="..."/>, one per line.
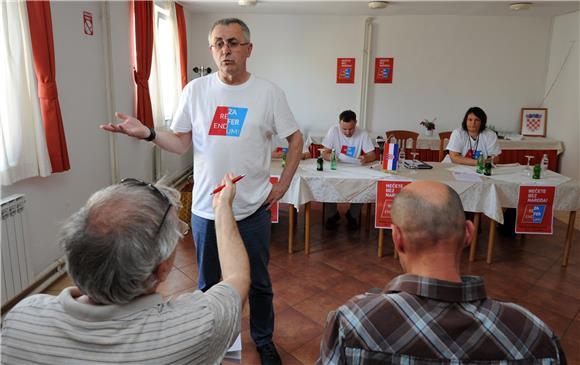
<point x="88" y="22"/>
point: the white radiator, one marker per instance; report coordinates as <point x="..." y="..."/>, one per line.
<point x="16" y="270"/>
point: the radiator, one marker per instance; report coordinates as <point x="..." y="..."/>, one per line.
<point x="16" y="269"/>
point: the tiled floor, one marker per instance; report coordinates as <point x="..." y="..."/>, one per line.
<point x="526" y="270"/>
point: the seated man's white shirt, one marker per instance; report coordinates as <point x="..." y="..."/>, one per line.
<point x="486" y="144"/>
<point x="232" y="127"/>
<point x="194" y="328"/>
<point x="348" y="149"/>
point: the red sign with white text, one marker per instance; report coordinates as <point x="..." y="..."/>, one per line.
<point x="386" y="192"/>
<point x="275" y="208"/>
<point x="88" y="22"/>
<point x="345" y="70"/>
<point x="384" y="70"/>
<point x="535" y="212"/>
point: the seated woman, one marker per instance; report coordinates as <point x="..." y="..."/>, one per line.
<point x="470" y="141"/>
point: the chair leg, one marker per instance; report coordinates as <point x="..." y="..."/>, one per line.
<point x="569" y="237"/>
<point x="368" y="217"/>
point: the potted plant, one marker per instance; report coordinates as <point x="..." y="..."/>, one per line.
<point x="429" y="126"/>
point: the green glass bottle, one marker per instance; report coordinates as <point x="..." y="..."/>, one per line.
<point x="333" y="160"/>
<point x="284" y="159"/>
<point x="320" y="163"/>
<point x="480" y="169"/>
<point x="537" y="173"/>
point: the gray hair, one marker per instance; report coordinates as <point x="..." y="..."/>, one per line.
<point x="112" y="244"/>
<point x="425" y="222"/>
<point x="228" y="21"/>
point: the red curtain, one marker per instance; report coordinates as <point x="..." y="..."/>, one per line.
<point x="182" y="34"/>
<point x="143" y="11"/>
<point x="40" y="23"/>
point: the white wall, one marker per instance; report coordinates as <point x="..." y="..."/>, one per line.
<point x="443" y="65"/>
<point x="80" y="76"/>
<point x="563" y="101"/>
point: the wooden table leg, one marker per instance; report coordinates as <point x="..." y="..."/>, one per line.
<point x="368" y="217"/>
<point x="569" y="237"/>
<point x="307" y="228"/>
<point x="473" y="248"/>
<point x="291" y="218"/>
<point x="490" y="241"/>
<point x="381" y="242"/>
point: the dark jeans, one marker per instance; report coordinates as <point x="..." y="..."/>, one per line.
<point x="255" y="231"/>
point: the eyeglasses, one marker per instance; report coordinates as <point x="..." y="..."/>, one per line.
<point x="231" y="43"/>
<point x="156" y="191"/>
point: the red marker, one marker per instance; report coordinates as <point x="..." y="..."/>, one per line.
<point x="221" y="187"/>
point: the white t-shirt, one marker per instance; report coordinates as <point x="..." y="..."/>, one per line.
<point x="348" y="149"/>
<point x="485" y="144"/>
<point x="194" y="328"/>
<point x="232" y="127"/>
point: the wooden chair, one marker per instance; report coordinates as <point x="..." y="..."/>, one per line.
<point x="442" y="137"/>
<point x="402" y="138"/>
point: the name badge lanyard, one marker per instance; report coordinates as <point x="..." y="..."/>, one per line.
<point x="471" y="147"/>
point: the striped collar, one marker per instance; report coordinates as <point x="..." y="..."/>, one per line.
<point x="471" y="289"/>
<point x="98" y="313"/>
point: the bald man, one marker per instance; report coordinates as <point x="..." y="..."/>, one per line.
<point x="432" y="314"/>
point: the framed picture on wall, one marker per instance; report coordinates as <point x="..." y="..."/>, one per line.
<point x="534" y="122"/>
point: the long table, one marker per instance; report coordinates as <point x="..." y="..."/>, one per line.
<point x="357" y="184"/>
<point x="512" y="150"/>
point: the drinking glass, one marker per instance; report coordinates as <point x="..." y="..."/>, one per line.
<point x="414" y="164"/>
<point x="528" y="167"/>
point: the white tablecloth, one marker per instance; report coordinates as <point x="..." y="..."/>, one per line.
<point x="352" y="183"/>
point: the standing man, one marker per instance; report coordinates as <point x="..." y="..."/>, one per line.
<point x="351" y="145"/>
<point x="433" y="314"/>
<point x="230" y="116"/>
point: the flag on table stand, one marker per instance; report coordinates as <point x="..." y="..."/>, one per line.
<point x="391" y="157"/>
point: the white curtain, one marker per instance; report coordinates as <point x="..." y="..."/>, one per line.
<point x="165" y="78"/>
<point x="23" y="150"/>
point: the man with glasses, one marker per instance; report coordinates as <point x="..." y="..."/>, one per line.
<point x="119" y="248"/>
<point x="230" y="117"/>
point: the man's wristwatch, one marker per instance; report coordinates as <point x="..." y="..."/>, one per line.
<point x="152" y="135"/>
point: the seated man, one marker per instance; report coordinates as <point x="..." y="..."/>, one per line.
<point x="432" y="314"/>
<point x="119" y="247"/>
<point x="351" y="145"/>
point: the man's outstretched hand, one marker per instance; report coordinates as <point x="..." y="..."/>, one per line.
<point x="129" y="126"/>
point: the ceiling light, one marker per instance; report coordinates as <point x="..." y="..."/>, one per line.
<point x="520" y="6"/>
<point x="247" y="3"/>
<point x="378" y="4"/>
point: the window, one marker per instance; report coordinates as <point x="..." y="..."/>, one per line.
<point x="165" y="70"/>
<point x="23" y="148"/>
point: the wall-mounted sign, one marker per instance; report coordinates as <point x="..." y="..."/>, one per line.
<point x="384" y="70"/>
<point x="386" y="192"/>
<point x="536" y="209"/>
<point x="88" y="22"/>
<point x="345" y="70"/>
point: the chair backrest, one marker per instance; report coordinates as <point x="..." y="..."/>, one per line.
<point x="442" y="137"/>
<point x="402" y="138"/>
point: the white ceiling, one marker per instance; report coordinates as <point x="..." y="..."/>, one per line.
<point x="404" y="7"/>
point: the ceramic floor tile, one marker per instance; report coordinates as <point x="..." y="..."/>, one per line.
<point x="293" y="329"/>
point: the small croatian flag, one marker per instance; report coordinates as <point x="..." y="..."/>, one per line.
<point x="391" y="157"/>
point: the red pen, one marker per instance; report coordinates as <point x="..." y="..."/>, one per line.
<point x="221" y="187"/>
